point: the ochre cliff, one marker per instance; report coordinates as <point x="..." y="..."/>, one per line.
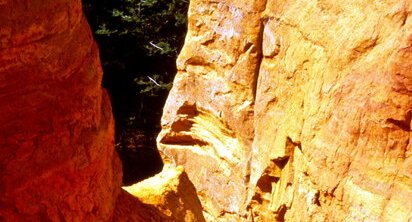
<point x="57" y="160"/>
<point x="57" y="157"/>
<point x="281" y="110"/>
<point x="295" y="110"/>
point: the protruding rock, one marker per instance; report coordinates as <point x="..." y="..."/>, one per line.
<point x="171" y="193"/>
<point x="208" y="118"/>
<point x="295" y="110"/>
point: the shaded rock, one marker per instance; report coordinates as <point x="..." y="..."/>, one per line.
<point x="291" y="110"/>
<point x="57" y="159"/>
<point x="130" y="209"/>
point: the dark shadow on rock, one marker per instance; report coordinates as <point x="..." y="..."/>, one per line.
<point x="139" y="155"/>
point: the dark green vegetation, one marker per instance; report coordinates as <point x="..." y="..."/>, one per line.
<point x="139" y="41"/>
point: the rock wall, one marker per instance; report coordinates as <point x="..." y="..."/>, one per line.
<point x="295" y="110"/>
<point x="57" y="159"/>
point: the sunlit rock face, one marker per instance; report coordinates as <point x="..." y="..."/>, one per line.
<point x="57" y="159"/>
<point x="295" y="110"/>
<point x="171" y="192"/>
<point x="208" y="118"/>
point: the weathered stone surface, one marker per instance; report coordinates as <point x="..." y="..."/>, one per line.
<point x="171" y="193"/>
<point x="295" y="110"/>
<point x="208" y="118"/>
<point x="130" y="209"/>
<point x="57" y="159"/>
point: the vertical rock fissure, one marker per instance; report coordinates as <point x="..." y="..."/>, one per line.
<point x="271" y="180"/>
<point x="259" y="55"/>
<point x="259" y="61"/>
<point x="269" y="201"/>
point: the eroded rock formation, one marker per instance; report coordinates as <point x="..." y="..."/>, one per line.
<point x="281" y="110"/>
<point x="295" y="110"/>
<point x="57" y="158"/>
<point x="172" y="193"/>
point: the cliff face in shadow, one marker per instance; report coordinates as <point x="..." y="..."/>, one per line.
<point x="295" y="110"/>
<point x="57" y="158"/>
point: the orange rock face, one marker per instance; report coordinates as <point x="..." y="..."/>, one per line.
<point x="57" y="159"/>
<point x="295" y="110"/>
<point x="171" y="192"/>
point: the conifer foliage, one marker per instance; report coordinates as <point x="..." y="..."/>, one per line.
<point x="139" y="41"/>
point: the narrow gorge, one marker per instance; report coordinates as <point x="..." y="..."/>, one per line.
<point x="280" y="110"/>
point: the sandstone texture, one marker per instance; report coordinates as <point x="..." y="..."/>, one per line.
<point x="295" y="110"/>
<point x="57" y="157"/>
<point x="171" y="193"/>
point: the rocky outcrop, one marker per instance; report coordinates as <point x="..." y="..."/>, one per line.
<point x="208" y="118"/>
<point x="295" y="110"/>
<point x="171" y="193"/>
<point x="57" y="158"/>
